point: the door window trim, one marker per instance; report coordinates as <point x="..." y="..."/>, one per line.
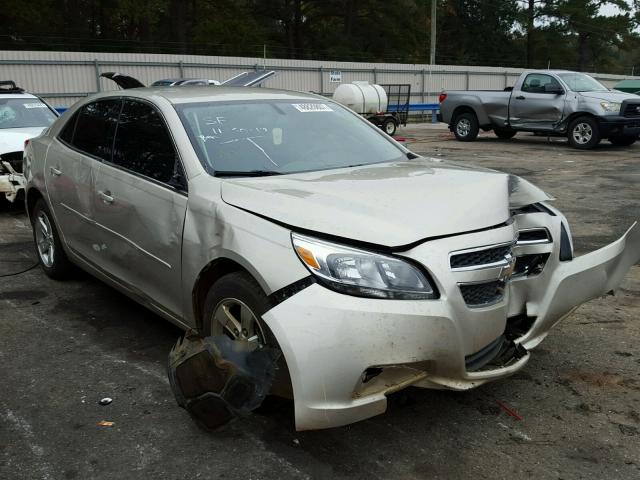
<point x="110" y="162"/>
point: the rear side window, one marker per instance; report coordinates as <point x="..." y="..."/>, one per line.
<point x="95" y="128"/>
<point x="67" y="132"/>
<point x="143" y="144"/>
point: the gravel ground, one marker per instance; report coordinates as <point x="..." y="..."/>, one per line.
<point x="63" y="346"/>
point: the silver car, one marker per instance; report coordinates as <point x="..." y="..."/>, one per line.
<point x="285" y="219"/>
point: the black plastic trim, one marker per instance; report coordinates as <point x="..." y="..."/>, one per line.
<point x="281" y="295"/>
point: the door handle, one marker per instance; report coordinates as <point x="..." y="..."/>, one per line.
<point x="55" y="171"/>
<point x="520" y="97"/>
<point x="106" y="197"/>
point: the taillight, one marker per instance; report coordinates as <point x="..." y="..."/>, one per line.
<point x="442" y="97"/>
<point x="26" y="142"/>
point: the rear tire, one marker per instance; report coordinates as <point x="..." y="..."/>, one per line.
<point x="465" y="127"/>
<point x="504" y="133"/>
<point x="48" y="245"/>
<point x="623" y="141"/>
<point x="584" y="133"/>
<point x="389" y="126"/>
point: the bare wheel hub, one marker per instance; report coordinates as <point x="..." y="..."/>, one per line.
<point x="235" y="319"/>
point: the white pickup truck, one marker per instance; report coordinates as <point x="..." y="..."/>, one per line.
<point x="553" y="102"/>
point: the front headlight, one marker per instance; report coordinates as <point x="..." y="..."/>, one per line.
<point x="362" y="273"/>
<point x="611" y="106"/>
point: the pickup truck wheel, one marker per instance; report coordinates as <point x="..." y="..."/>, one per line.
<point x="504" y="133"/>
<point x="389" y="126"/>
<point x="623" y="141"/>
<point x="51" y="255"/>
<point x="584" y="133"/>
<point x="465" y="127"/>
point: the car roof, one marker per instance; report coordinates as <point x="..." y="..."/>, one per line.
<point x="202" y="93"/>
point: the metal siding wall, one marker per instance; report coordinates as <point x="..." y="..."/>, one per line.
<point x="69" y="76"/>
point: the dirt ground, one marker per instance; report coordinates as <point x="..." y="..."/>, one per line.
<point x="64" y="346"/>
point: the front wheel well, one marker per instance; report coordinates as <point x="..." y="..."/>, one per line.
<point x="575" y="115"/>
<point x="215" y="270"/>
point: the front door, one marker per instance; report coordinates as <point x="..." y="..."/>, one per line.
<point x="532" y="107"/>
<point x="140" y="207"/>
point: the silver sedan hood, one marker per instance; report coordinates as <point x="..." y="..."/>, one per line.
<point x="389" y="204"/>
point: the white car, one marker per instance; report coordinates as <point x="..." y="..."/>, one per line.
<point x="22" y="116"/>
<point x="285" y="219"/>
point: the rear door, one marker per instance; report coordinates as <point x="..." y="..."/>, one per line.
<point x="532" y="107"/>
<point x="70" y="167"/>
<point x="140" y="203"/>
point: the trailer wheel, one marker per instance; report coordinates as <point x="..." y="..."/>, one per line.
<point x="465" y="127"/>
<point x="389" y="126"/>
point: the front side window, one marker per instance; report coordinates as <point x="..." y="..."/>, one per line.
<point x="536" y="83"/>
<point x="267" y="137"/>
<point x="23" y="112"/>
<point x="143" y="144"/>
<point x="95" y="128"/>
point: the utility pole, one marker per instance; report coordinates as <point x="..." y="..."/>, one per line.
<point x="432" y="56"/>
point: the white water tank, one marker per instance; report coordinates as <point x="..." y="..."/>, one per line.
<point x="362" y="97"/>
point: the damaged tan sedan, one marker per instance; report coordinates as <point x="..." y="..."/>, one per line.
<point x="284" y="219"/>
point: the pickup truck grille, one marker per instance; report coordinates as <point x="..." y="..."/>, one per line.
<point x="479" y="258"/>
<point x="631" y="110"/>
<point x="483" y="294"/>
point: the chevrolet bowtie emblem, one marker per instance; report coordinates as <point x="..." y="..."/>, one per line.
<point x="507" y="270"/>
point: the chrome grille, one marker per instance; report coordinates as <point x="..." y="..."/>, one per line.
<point x="483" y="294"/>
<point x="478" y="258"/>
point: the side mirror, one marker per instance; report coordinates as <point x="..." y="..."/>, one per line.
<point x="554" y="89"/>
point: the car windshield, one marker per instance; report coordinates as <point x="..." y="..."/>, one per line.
<point x="579" y="82"/>
<point x="272" y="137"/>
<point x="24" y="112"/>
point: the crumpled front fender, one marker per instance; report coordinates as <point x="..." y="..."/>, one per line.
<point x="580" y="280"/>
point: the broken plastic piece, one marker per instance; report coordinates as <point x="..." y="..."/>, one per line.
<point x="509" y="410"/>
<point x="217" y="379"/>
<point x="105" y="423"/>
<point x="105" y="401"/>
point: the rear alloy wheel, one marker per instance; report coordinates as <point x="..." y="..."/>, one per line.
<point x="389" y="126"/>
<point x="465" y="127"/>
<point x="623" y="141"/>
<point x="51" y="255"/>
<point x="504" y="133"/>
<point x="584" y="133"/>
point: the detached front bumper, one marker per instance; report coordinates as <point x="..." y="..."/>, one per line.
<point x="614" y="125"/>
<point x="346" y="353"/>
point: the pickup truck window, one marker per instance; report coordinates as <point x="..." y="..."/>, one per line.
<point x="579" y="82"/>
<point x="536" y="82"/>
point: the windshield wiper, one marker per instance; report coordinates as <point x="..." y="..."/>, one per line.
<point x="247" y="173"/>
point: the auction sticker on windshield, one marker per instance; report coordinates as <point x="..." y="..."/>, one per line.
<point x="34" y="105"/>
<point x="312" y="107"/>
